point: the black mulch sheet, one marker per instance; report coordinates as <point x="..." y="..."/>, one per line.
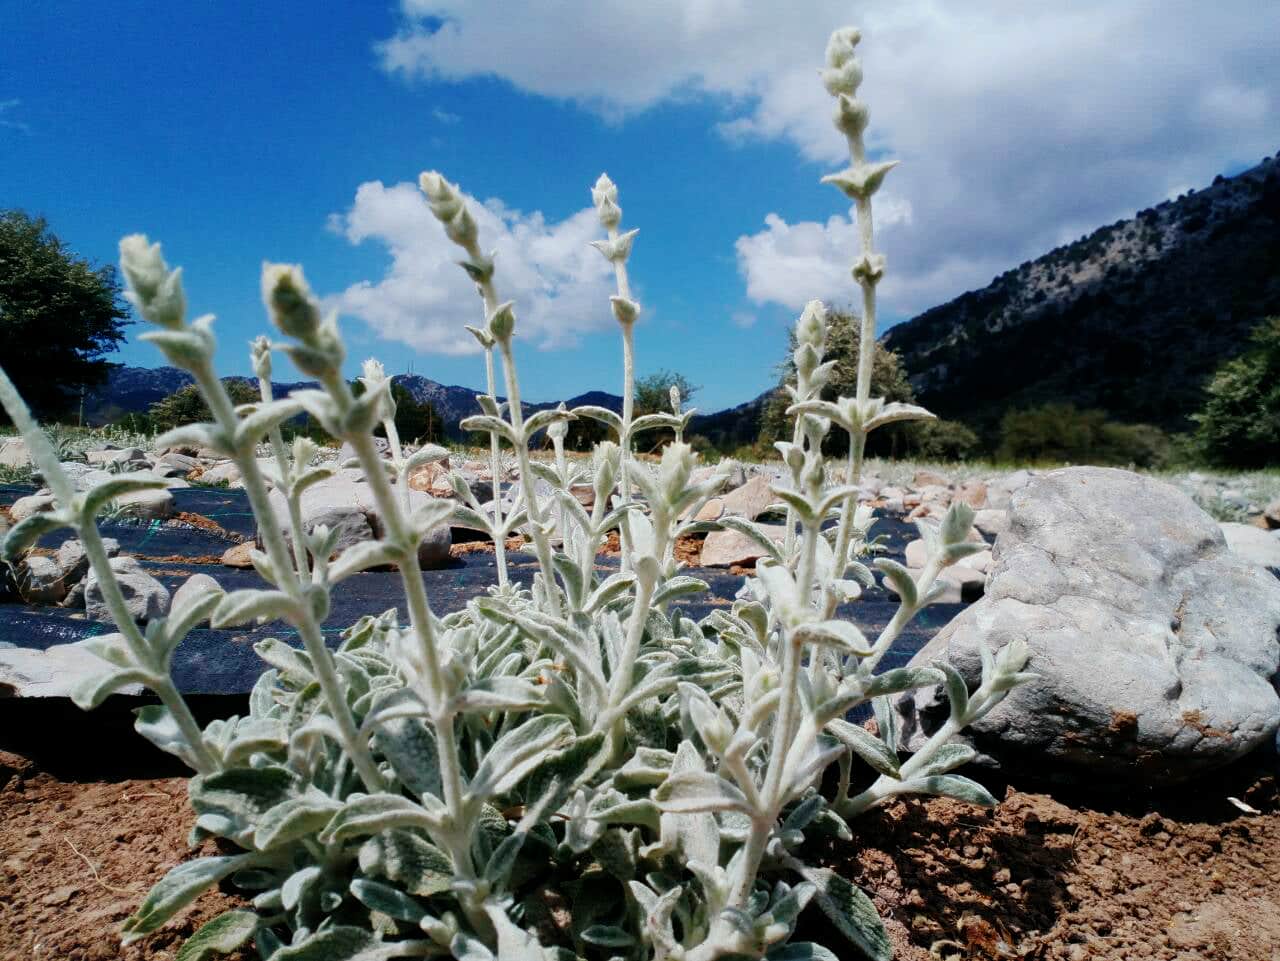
<point x="223" y="661"/>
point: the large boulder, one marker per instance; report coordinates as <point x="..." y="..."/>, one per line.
<point x="346" y="503"/>
<point x="1254" y="544"/>
<point x="1155" y="645"/>
<point x="144" y="596"/>
<point x="53" y="672"/>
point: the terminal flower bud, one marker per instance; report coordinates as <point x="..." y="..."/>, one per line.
<point x="154" y="289"/>
<point x="812" y="327"/>
<point x="841" y="44"/>
<point x="674" y="394"/>
<point x="260" y="356"/>
<point x="604" y="189"/>
<point x="610" y="213"/>
<point x="289" y="300"/>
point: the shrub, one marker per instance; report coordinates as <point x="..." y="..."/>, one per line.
<point x="1060" y="433"/>
<point x="945" y="440"/>
<point x="186" y="405"/>
<point x="1239" y="425"/>
<point x="425" y="788"/>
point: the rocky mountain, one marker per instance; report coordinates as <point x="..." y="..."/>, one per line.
<point x="1131" y="318"/>
<point x="134" y="389"/>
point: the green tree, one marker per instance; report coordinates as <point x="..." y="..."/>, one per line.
<point x="186" y="406"/>
<point x="58" y="316"/>
<point x="1060" y="433"/>
<point x="1239" y="425"/>
<point x="415" y="422"/>
<point x="888" y="380"/>
<point x="653" y="393"/>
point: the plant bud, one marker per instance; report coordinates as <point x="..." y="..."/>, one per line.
<point x="843" y="79"/>
<point x="559" y="429"/>
<point x="610" y="213"/>
<point x="260" y="356"/>
<point x="603" y="190"/>
<point x="289" y="300"/>
<point x="851" y="116"/>
<point x="674" y="395"/>
<point x="502" y="322"/>
<point x="811" y="328"/>
<point x="373" y="372"/>
<point x="841" y="44"/>
<point x="481" y="336"/>
<point x="461" y="228"/>
<point x="868" y="269"/>
<point x="625" y="310"/>
<point x="155" y="290"/>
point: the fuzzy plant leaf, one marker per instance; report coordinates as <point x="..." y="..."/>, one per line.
<point x="226" y="933"/>
<point x="851" y="911"/>
<point x="408" y="859"/>
<point x="176" y="890"/>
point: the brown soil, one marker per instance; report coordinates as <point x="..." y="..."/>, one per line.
<point x="688" y="548"/>
<point x="484" y="546"/>
<point x="206" y="524"/>
<point x="1177" y="877"/>
<point x="76" y="859"/>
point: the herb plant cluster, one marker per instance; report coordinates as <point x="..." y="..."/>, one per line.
<point x="570" y="770"/>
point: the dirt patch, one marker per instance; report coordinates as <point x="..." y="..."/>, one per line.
<point x="77" y="859"/>
<point x="206" y="524"/>
<point x="1182" y="876"/>
<point x="688" y="547"/>
<point x="484" y="547"/>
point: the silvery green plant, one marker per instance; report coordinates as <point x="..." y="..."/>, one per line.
<point x="427" y="788"/>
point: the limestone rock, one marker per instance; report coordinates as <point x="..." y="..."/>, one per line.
<point x="1253" y="544"/>
<point x="750" y="500"/>
<point x="1156" y="645"/>
<point x="238" y="556"/>
<point x="52" y="672"/>
<point x="74" y="562"/>
<point x="145" y="597"/>
<point x="40" y="580"/>
<point x="990" y="521"/>
<point x="727" y="548"/>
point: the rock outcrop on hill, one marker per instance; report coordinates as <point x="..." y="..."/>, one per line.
<point x="1130" y="319"/>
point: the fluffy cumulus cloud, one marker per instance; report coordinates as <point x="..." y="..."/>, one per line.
<point x="1018" y="124"/>
<point x="560" y="285"/>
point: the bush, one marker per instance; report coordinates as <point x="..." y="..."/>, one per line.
<point x="1239" y="425"/>
<point x="1059" y="433"/>
<point x="942" y="440"/>
<point x="186" y="406"/>
<point x="430" y="785"/>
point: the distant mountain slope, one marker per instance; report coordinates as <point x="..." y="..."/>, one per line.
<point x="1130" y="319"/>
<point x="134" y="389"/>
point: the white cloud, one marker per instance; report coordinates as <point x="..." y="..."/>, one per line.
<point x="6" y="117"/>
<point x="744" y="319"/>
<point x="444" y="116"/>
<point x="1016" y="123"/>
<point x="561" y="285"/>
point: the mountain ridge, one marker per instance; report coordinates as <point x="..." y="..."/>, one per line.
<point x="1131" y="319"/>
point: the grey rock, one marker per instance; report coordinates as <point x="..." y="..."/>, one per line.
<point x="223" y="472"/>
<point x="145" y="597"/>
<point x="1253" y="544"/>
<point x="1000" y="492"/>
<point x="344" y="502"/>
<point x="1271" y="514"/>
<point x="1155" y="645"/>
<point x="148" y="505"/>
<point x="52" y="672"/>
<point x="750" y="500"/>
<point x="25" y="507"/>
<point x="40" y="580"/>
<point x="74" y="562"/>
<point x="179" y="462"/>
<point x="991" y="522"/>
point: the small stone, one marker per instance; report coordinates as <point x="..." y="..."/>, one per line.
<point x="928" y="478"/>
<point x="30" y="505"/>
<point x="750" y="500"/>
<point x="729" y="548"/>
<point x="238" y="556"/>
<point x="40" y="580"/>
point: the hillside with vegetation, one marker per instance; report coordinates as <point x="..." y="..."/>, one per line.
<point x="1131" y="320"/>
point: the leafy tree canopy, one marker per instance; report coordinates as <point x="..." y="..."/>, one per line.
<point x="186" y="406"/>
<point x="58" y="315"/>
<point x="1239" y="425"/>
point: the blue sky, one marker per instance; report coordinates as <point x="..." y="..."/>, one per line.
<point x="236" y="132"/>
